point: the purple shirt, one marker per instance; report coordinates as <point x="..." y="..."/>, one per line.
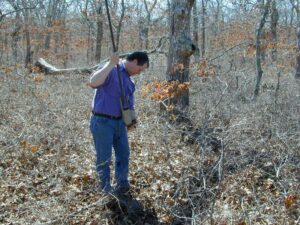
<point x="107" y="96"/>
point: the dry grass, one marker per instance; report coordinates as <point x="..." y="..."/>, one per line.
<point x="47" y="157"/>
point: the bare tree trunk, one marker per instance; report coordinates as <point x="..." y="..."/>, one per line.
<point x="55" y="10"/>
<point x="274" y="22"/>
<point x="65" y="43"/>
<point x="6" y="47"/>
<point x="148" y="22"/>
<point x="147" y="37"/>
<point x="67" y="48"/>
<point x="59" y="35"/>
<point x="1" y="15"/>
<point x="16" y="34"/>
<point x="215" y="27"/>
<point x="29" y="53"/>
<point x="99" y="36"/>
<point x="89" y="31"/>
<point x="115" y="4"/>
<point x="146" y="26"/>
<point x="295" y="4"/>
<point x="259" y="71"/>
<point x="145" y="22"/>
<point x="88" y="43"/>
<point x="119" y="27"/>
<point x="290" y="26"/>
<point x="56" y="42"/>
<point x="195" y="24"/>
<point x="203" y="35"/>
<point x="297" y="75"/>
<point x="48" y="36"/>
<point x="181" y="46"/>
<point x="144" y="33"/>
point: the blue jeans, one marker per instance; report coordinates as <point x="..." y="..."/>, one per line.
<point x="108" y="133"/>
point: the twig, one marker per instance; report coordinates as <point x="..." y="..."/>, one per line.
<point x="223" y="93"/>
<point x="227" y="50"/>
<point x="280" y="166"/>
<point x="11" y="12"/>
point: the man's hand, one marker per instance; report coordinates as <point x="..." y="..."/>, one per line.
<point x="132" y="126"/>
<point x="99" y="76"/>
<point x="114" y="59"/>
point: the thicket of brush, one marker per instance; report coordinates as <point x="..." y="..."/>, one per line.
<point x="248" y="174"/>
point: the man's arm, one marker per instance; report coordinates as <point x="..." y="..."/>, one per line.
<point x="99" y="76"/>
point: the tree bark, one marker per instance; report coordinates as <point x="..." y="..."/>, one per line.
<point x="203" y="29"/>
<point x="274" y="22"/>
<point x="144" y="30"/>
<point x="16" y="33"/>
<point x="297" y="74"/>
<point x="181" y="47"/>
<point x="99" y="36"/>
<point x="119" y="27"/>
<point x="215" y="26"/>
<point x="49" y="18"/>
<point x="259" y="71"/>
<point x="195" y="24"/>
<point x="290" y="25"/>
<point x="29" y="53"/>
<point x="55" y="10"/>
<point x="295" y="4"/>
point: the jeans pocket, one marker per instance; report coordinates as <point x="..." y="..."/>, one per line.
<point x="101" y="120"/>
<point x="99" y="124"/>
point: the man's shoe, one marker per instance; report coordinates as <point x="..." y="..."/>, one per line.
<point x="122" y="191"/>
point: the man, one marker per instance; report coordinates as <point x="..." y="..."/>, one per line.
<point x="107" y="126"/>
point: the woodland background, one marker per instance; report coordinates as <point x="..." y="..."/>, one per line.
<point x="227" y="153"/>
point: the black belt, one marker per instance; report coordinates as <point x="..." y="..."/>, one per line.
<point x="107" y="116"/>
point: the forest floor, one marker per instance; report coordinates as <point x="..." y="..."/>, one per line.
<point x="251" y="177"/>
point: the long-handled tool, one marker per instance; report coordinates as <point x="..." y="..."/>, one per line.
<point x="127" y="114"/>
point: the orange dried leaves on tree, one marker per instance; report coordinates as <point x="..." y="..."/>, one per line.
<point x="165" y="89"/>
<point x="169" y="89"/>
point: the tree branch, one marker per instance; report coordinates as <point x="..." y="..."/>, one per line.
<point x="17" y="10"/>
<point x="227" y="50"/>
<point x="47" y="68"/>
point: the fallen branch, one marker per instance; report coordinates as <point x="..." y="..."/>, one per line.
<point x="47" y="68"/>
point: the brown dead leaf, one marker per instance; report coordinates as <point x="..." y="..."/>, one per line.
<point x="24" y="144"/>
<point x="290" y="201"/>
<point x="167" y="219"/>
<point x="34" y="148"/>
<point x="39" y="78"/>
<point x="86" y="179"/>
<point x="170" y="201"/>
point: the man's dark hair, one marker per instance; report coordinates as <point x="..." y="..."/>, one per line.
<point x="141" y="58"/>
